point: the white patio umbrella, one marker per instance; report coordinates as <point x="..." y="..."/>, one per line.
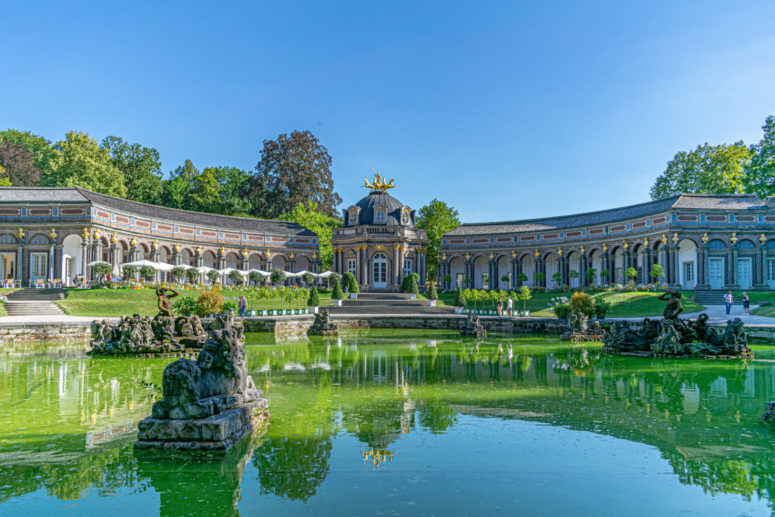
<point x="228" y="270"/>
<point x="325" y="275"/>
<point x="95" y="262"/>
<point x="205" y="269"/>
<point x="159" y="266"/>
<point x="265" y="273"/>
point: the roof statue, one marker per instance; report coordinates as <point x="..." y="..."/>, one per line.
<point x="379" y="183"/>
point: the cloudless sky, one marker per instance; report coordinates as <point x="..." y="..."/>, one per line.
<point x="506" y="110"/>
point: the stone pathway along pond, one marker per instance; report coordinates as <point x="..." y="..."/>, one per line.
<point x="408" y="422"/>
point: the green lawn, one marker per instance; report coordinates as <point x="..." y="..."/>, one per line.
<point x="623" y="304"/>
<point x="118" y="302"/>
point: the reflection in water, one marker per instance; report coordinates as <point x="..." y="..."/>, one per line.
<point x="354" y="403"/>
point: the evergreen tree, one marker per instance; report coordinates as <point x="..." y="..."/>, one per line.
<point x="314" y="297"/>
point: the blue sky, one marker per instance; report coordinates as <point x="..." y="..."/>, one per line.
<point x="506" y="110"/>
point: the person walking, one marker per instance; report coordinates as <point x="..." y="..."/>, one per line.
<point x="510" y="307"/>
<point x="746" y="304"/>
<point x="729" y="300"/>
<point x="500" y="307"/>
<point x="242" y="305"/>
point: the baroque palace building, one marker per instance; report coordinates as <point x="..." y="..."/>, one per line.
<point x="378" y="242"/>
<point x="701" y="241"/>
<point x="49" y="234"/>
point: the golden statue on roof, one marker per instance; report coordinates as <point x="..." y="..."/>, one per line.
<point x="378" y="183"/>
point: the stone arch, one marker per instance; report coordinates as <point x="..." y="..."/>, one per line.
<point x="616" y="274"/>
<point x="254" y="261"/>
<point x="687" y="263"/>
<point x="209" y="259"/>
<point x="574" y="264"/>
<point x="231" y="260"/>
<point x="146" y="251"/>
<point x="595" y="261"/>
<point x="303" y="263"/>
<point x="457" y="270"/>
<point x="527" y="267"/>
<point x="72" y="258"/>
<point x="717" y="244"/>
<point x="481" y="267"/>
<point x="278" y="261"/>
<point x="504" y="271"/>
<point x="551" y="267"/>
<point x="746" y="244"/>
<point x="187" y="257"/>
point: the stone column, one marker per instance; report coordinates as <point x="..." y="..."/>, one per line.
<point x="59" y="271"/>
<point x="469" y="274"/>
<point x="492" y="268"/>
<point x="20" y="261"/>
<point x="583" y="270"/>
<point x="397" y="268"/>
<point x="364" y="280"/>
<point x="647" y="264"/>
<point x="515" y="271"/>
<point x="605" y="263"/>
<point x="562" y="264"/>
<point x="733" y="265"/>
<point x="51" y="263"/>
<point x="84" y="258"/>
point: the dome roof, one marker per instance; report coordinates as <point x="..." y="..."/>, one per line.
<point x="379" y="200"/>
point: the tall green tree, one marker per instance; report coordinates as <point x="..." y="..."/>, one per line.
<point x="43" y="153"/>
<point x="81" y="162"/>
<point x="309" y="216"/>
<point x="708" y="169"/>
<point x="436" y="218"/>
<point x="141" y="167"/>
<point x="4" y="181"/>
<point x="293" y="169"/>
<point x="229" y="181"/>
<point x="760" y="173"/>
<point x="19" y="164"/>
<point x="177" y="189"/>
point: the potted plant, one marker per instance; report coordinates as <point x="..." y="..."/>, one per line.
<point x="235" y="276"/>
<point x="601" y="307"/>
<point x="524" y="294"/>
<point x="506" y="280"/>
<point x="656" y="273"/>
<point x="432" y="295"/>
<point x="540" y="279"/>
<point x="350" y="285"/>
<point x="192" y="275"/>
<point x="213" y="276"/>
<point x="590" y="276"/>
<point x="256" y="277"/>
<point x="414" y="289"/>
<point x="604" y="275"/>
<point x="573" y="274"/>
<point x="632" y="274"/>
<point x="522" y="278"/>
<point x="447" y="281"/>
<point x="337" y="294"/>
<point x="178" y="273"/>
<point x="277" y="277"/>
<point x="557" y="278"/>
<point x="129" y="271"/>
<point x="147" y="273"/>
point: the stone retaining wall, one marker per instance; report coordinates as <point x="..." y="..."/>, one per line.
<point x="49" y="338"/>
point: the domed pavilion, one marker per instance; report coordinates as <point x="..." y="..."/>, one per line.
<point x="378" y="242"/>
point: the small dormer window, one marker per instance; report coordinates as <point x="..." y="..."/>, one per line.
<point x="380" y="216"/>
<point x="353" y="216"/>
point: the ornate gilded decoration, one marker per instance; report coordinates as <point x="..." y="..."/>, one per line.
<point x="290" y="255"/>
<point x="85" y="234"/>
<point x="114" y="238"/>
<point x="314" y="255"/>
<point x="675" y="238"/>
<point x="762" y="239"/>
<point x="20" y="235"/>
<point x="537" y="254"/>
<point x="468" y="257"/>
<point x="133" y="242"/>
<point x="704" y="238"/>
<point x="582" y="250"/>
<point x="156" y="244"/>
<point x="664" y="238"/>
<point x="379" y="183"/>
<point x="379" y="247"/>
<point x="223" y="251"/>
<point x="198" y="250"/>
<point x="646" y="242"/>
<point x="559" y="251"/>
<point x="176" y="248"/>
<point x="513" y="254"/>
<point x="605" y="247"/>
<point x="733" y="239"/>
<point x="626" y="245"/>
<point x="244" y="252"/>
<point x="443" y="256"/>
<point x="492" y="255"/>
<point x="96" y="233"/>
<point x="268" y="254"/>
<point x="53" y="234"/>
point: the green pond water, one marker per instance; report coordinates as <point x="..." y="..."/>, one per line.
<point x="404" y="423"/>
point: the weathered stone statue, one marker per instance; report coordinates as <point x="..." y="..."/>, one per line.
<point x="322" y="325"/>
<point x="769" y="413"/>
<point x="210" y="403"/>
<point x="579" y="330"/>
<point x="672" y="336"/>
<point x="163" y="334"/>
<point x="473" y="327"/>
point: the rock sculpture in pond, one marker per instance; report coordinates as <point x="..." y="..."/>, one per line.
<point x="579" y="329"/>
<point x="210" y="403"/>
<point x="142" y="335"/>
<point x="673" y="336"/>
<point x="473" y="327"/>
<point x="322" y="325"/>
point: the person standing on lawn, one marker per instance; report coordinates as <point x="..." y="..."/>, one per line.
<point x="729" y="300"/>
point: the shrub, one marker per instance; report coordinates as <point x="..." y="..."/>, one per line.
<point x="540" y="277"/>
<point x="350" y="283"/>
<point x="178" y="273"/>
<point x="432" y="294"/>
<point x="590" y="275"/>
<point x="192" y="275"/>
<point x="129" y="271"/>
<point x="185" y="305"/>
<point x="413" y="288"/>
<point x="631" y="273"/>
<point x="229" y="306"/>
<point x="308" y="278"/>
<point x="559" y="306"/>
<point x="557" y="278"/>
<point x="235" y="276"/>
<point x="657" y="272"/>
<point x="460" y="300"/>
<point x="277" y="276"/>
<point x="337" y="293"/>
<point x="213" y="276"/>
<point x="601" y="307"/>
<point x="405" y="284"/>
<point x="447" y="279"/>
<point x="581" y="302"/>
<point x="209" y="302"/>
<point x="314" y="298"/>
<point x="147" y="273"/>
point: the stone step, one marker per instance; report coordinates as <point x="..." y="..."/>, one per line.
<point x="382" y="296"/>
<point x="32" y="308"/>
<point x="36" y="294"/>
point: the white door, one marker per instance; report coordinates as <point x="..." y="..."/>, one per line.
<point x="744" y="273"/>
<point x="379" y="271"/>
<point x="688" y="275"/>
<point x="39" y="265"/>
<point x="716" y="273"/>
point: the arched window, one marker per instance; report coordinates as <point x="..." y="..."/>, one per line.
<point x="746" y="245"/>
<point x="380" y="217"/>
<point x="771" y="245"/>
<point x="716" y="244"/>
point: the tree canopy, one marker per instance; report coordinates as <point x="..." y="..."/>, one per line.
<point x="293" y="169"/>
<point x="760" y="173"/>
<point x="141" y="167"/>
<point x="708" y="169"/>
<point x="309" y="216"/>
<point x="436" y="218"/>
<point x="81" y="162"/>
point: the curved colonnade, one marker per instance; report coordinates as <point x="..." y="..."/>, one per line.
<point x="701" y="242"/>
<point x="49" y="235"/>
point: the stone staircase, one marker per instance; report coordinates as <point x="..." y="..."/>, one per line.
<point x="34" y="302"/>
<point x="386" y="303"/>
<point x="712" y="297"/>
